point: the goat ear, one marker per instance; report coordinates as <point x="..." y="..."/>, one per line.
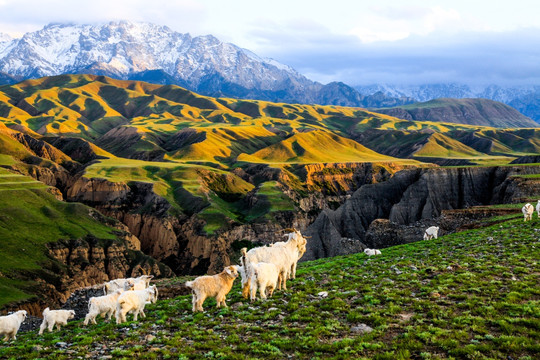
<point x="228" y="271"/>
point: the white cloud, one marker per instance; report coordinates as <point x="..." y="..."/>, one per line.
<point x="397" y="23"/>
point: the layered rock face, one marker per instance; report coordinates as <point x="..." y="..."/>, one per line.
<point x="411" y="196"/>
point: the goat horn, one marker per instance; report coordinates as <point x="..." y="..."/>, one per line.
<point x="289" y="230"/>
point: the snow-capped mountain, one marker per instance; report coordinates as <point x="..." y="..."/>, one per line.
<point x="153" y="53"/>
<point x="144" y="51"/>
<point x="123" y="48"/>
<point x="525" y="99"/>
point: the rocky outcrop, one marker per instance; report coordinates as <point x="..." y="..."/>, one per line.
<point x="98" y="191"/>
<point x="415" y="195"/>
<point x="90" y="261"/>
<point x="343" y="178"/>
<point x="78" y="149"/>
<point x="44" y="150"/>
<point x="531" y="159"/>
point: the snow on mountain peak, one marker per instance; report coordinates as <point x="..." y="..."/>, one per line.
<point x="123" y="48"/>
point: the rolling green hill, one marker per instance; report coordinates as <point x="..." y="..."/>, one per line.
<point x="315" y="147"/>
<point x="482" y="112"/>
<point x="152" y="122"/>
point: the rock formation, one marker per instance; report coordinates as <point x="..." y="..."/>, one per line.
<point x="410" y="196"/>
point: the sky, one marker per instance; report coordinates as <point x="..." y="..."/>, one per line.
<point x="475" y="42"/>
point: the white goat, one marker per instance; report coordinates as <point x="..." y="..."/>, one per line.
<point x="263" y="276"/>
<point x="538" y="208"/>
<point x="55" y="317"/>
<point x="302" y="241"/>
<point x="284" y="255"/>
<point x="528" y="211"/>
<point x="371" y="252"/>
<point x="10" y="324"/>
<point x="134" y="301"/>
<point x="216" y="286"/>
<point x="431" y="232"/>
<point x="102" y="305"/>
<point x="126" y="284"/>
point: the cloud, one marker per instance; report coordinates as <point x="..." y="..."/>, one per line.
<point x="480" y="58"/>
<point x="20" y="16"/>
<point x="357" y="43"/>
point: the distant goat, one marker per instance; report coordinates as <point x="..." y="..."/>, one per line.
<point x="55" y="317"/>
<point x="528" y="211"/>
<point x="102" y="305"/>
<point x="10" y="324"/>
<point x="371" y="252"/>
<point x="431" y="232"/>
<point x="134" y="301"/>
<point x="216" y="286"/>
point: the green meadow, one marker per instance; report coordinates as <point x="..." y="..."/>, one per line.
<point x="469" y="295"/>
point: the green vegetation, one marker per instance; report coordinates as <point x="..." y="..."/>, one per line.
<point x="470" y="295"/>
<point x="30" y="218"/>
<point x="146" y="119"/>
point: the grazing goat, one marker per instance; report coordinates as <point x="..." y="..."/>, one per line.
<point x="371" y="252"/>
<point x="55" y="317"/>
<point x="126" y="284"/>
<point x="264" y="276"/>
<point x="102" y="305"/>
<point x="538" y="208"/>
<point x="284" y="255"/>
<point x="528" y="211"/>
<point x="134" y="301"/>
<point x="216" y="286"/>
<point x="302" y="240"/>
<point x="431" y="232"/>
<point x="10" y="324"/>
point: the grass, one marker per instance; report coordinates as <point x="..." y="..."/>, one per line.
<point x="315" y="147"/>
<point x="88" y="106"/>
<point x="470" y="295"/>
<point x="29" y="215"/>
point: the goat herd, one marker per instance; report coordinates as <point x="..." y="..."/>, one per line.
<point x="262" y="269"/>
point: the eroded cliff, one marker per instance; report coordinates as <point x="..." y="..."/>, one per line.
<point x="411" y="196"/>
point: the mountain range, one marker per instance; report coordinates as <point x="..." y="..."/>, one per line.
<point x="157" y="54"/>
<point x="462" y="111"/>
<point x="208" y="66"/>
<point x="525" y="99"/>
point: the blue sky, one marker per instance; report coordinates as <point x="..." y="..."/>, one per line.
<point x="357" y="42"/>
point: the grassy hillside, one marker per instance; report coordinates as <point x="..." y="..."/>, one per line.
<point x="216" y="195"/>
<point x="30" y="217"/>
<point x="147" y="121"/>
<point x="439" y="145"/>
<point x="463" y="111"/>
<point x="314" y="147"/>
<point x="470" y="295"/>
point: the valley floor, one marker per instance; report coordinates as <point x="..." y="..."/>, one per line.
<point x="469" y="295"/>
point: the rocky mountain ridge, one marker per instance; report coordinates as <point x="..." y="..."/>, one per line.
<point x="463" y="111"/>
<point x="525" y="98"/>
<point x="157" y="54"/>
